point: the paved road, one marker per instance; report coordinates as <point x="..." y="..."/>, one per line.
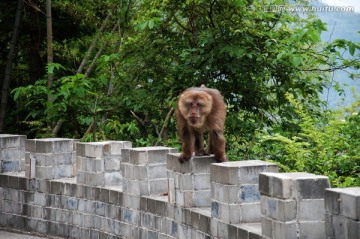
<point x="12" y="235"/>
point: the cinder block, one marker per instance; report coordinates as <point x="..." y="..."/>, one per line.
<point x="353" y="229"/>
<point x="63" y="171"/>
<point x="112" y="164"/>
<point x="44" y="172"/>
<point x="197" y="164"/>
<point x="53" y="145"/>
<point x="201" y="181"/>
<point x="12" y="152"/>
<point x="115" y="147"/>
<point x="9" y="166"/>
<point x="284" y="230"/>
<point x="157" y="186"/>
<point x="293" y="185"/>
<point x="95" y="179"/>
<point x="8" y="154"/>
<point x="156" y="171"/>
<point x="148" y="155"/>
<point x="113" y="179"/>
<point x="184" y="181"/>
<point x="267" y="227"/>
<point x="313" y="230"/>
<point x="336" y="227"/>
<point x="311" y="210"/>
<point x="12" y="141"/>
<point x="343" y="201"/>
<point x="240" y="172"/>
<point x="144" y="171"/>
<point x="63" y="158"/>
<point x="282" y="210"/>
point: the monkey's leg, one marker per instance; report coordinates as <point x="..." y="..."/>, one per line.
<point x="199" y="144"/>
<point x="217" y="145"/>
<point x="188" y="141"/>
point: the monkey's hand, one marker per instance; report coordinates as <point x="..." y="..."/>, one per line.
<point x="183" y="158"/>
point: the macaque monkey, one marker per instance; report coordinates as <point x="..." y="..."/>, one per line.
<point x="201" y="110"/>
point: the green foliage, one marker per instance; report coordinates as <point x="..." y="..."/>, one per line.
<point x="270" y="67"/>
<point x="324" y="145"/>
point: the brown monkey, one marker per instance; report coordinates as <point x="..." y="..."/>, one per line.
<point x="201" y="110"/>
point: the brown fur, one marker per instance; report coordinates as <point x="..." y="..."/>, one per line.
<point x="201" y="110"/>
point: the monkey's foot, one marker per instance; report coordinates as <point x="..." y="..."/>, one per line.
<point x="182" y="159"/>
<point x="221" y="159"/>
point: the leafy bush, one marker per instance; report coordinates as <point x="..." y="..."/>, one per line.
<point x="324" y="144"/>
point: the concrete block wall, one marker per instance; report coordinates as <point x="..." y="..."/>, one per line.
<point x="342" y="218"/>
<point x="144" y="170"/>
<point x="50" y="158"/>
<point x="235" y="196"/>
<point x="99" y="163"/>
<point x="189" y="182"/>
<point x="292" y="205"/>
<point x="12" y="153"/>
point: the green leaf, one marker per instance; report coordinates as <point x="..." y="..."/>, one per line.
<point x="352" y="48"/>
<point x="296" y="60"/>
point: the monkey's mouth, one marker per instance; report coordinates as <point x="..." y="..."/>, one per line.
<point x="194" y="120"/>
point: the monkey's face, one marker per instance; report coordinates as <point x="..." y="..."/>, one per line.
<point x="195" y="106"/>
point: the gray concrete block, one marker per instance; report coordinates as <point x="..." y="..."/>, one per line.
<point x="157" y="171"/>
<point x="240" y="172"/>
<point x="8" y="154"/>
<point x="97" y="165"/>
<point x="9" y="166"/>
<point x="112" y="164"/>
<point x="63" y="171"/>
<point x="311" y="229"/>
<point x="249" y="193"/>
<point x="284" y="230"/>
<point x="336" y="227"/>
<point x="113" y="179"/>
<point x="282" y="210"/>
<point x="267" y="227"/>
<point x="197" y="164"/>
<point x="201" y="181"/>
<point x="63" y="158"/>
<point x="353" y="229"/>
<point x="125" y="155"/>
<point x="54" y="145"/>
<point x="12" y="141"/>
<point x="344" y="201"/>
<point x="293" y="185"/>
<point x="81" y="177"/>
<point x="158" y="186"/>
<point x="43" y="159"/>
<point x="115" y="147"/>
<point x="149" y="155"/>
<point x="250" y="212"/>
<point x="183" y="181"/>
<point x="30" y="145"/>
<point x="44" y="172"/>
<point x="202" y="198"/>
<point x="95" y="179"/>
<point x="311" y="210"/>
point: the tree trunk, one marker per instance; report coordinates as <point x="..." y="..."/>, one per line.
<point x="8" y="69"/>
<point x="50" y="55"/>
<point x="93" y="44"/>
<point x="49" y="39"/>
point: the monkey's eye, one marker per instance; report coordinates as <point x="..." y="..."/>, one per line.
<point x="200" y="104"/>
